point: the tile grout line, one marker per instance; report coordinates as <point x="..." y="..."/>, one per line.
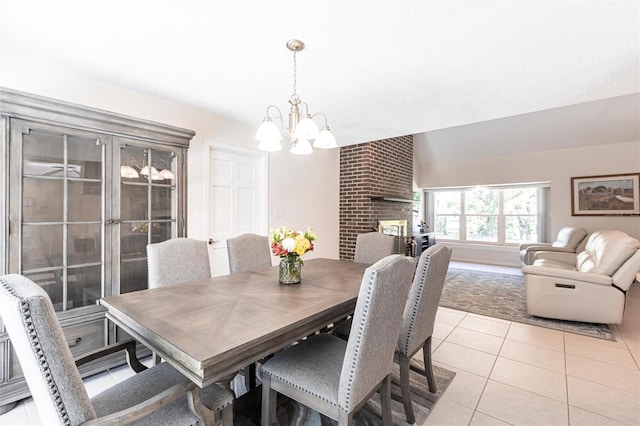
<point x="484" y="388"/>
<point x="566" y="377"/>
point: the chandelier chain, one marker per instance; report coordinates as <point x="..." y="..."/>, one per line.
<point x="295" y="81"/>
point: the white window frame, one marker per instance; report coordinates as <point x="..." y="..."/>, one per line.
<point x="542" y="213"/>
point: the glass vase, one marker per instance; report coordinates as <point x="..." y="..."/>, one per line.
<point x="290" y="270"/>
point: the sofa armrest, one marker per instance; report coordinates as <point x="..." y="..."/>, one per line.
<point x="628" y="272"/>
<point x="551" y="248"/>
<point x="550" y="272"/>
<point x="556" y="256"/>
<point x="526" y="246"/>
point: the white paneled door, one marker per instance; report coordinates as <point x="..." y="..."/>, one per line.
<point x="237" y="200"/>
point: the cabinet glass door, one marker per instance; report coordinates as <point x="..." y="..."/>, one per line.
<point x="57" y="240"/>
<point x="148" y="208"/>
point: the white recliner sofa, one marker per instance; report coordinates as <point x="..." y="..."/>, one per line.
<point x="571" y="239"/>
<point x="589" y="286"/>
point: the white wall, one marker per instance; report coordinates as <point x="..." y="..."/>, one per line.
<point x="305" y="187"/>
<point x="557" y="166"/>
<point x="304" y="191"/>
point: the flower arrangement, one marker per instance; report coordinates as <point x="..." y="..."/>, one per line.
<point x="290" y="246"/>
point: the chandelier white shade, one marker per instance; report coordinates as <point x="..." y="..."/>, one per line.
<point x="302" y="129"/>
<point x="269" y="136"/>
<point x="133" y="171"/>
<point x="128" y="172"/>
<point x="301" y="147"/>
<point x="325" y="139"/>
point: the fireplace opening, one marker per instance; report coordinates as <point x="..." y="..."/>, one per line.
<point x="398" y="228"/>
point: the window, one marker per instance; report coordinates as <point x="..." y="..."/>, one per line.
<point x="415" y="207"/>
<point x="448" y="210"/>
<point x="481" y="211"/>
<point x="492" y="215"/>
<point x="521" y="215"/>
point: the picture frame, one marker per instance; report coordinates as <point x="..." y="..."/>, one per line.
<point x="606" y="195"/>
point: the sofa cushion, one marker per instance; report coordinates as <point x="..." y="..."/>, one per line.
<point x="606" y="251"/>
<point x="550" y="263"/>
<point x="569" y="237"/>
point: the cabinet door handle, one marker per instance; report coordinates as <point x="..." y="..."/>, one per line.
<point x="75" y="342"/>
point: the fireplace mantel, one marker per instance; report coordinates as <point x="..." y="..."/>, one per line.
<point x="393" y="199"/>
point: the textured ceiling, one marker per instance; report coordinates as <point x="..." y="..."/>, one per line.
<point x="604" y="121"/>
<point x="377" y="69"/>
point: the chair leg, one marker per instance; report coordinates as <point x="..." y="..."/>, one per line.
<point x="268" y="413"/>
<point x="403" y="361"/>
<point x="428" y="366"/>
<point x="345" y="419"/>
<point x="385" y="401"/>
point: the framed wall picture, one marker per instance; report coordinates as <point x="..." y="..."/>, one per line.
<point x="607" y="195"/>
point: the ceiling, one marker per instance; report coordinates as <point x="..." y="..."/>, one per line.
<point x="376" y="69"/>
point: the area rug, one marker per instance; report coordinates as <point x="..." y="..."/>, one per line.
<point x="503" y="296"/>
<point x="292" y="413"/>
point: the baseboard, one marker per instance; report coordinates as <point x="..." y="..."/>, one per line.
<point x="486" y="262"/>
<point x="485" y="254"/>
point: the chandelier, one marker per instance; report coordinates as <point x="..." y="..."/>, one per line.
<point x="302" y="129"/>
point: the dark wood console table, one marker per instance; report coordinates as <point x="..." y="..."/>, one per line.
<point x="423" y="241"/>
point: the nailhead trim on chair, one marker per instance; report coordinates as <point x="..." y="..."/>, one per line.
<point x="293" y="385"/>
<point x="365" y="311"/>
<point x="37" y="349"/>
<point x="219" y="408"/>
<point x="351" y="372"/>
<point x="414" y="309"/>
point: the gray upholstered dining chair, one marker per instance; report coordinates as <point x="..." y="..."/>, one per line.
<point x="335" y="377"/>
<point x="158" y="395"/>
<point x="176" y="261"/>
<point x="248" y="252"/>
<point x="373" y="246"/>
<point x="418" y="320"/>
<point x="181" y="260"/>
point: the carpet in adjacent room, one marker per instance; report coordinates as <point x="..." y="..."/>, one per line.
<point x="503" y="296"/>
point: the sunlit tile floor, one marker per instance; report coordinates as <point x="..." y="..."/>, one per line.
<point x="507" y="373"/>
<point x="515" y="374"/>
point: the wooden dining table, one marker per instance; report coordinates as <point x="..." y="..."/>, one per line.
<point x="210" y="329"/>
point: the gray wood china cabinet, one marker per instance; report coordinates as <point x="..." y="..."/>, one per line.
<point x="83" y="193"/>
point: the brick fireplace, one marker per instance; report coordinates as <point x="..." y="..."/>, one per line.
<point x="374" y="179"/>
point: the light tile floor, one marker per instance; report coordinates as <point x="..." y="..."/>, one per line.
<point x="507" y="373"/>
<point x="515" y="374"/>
